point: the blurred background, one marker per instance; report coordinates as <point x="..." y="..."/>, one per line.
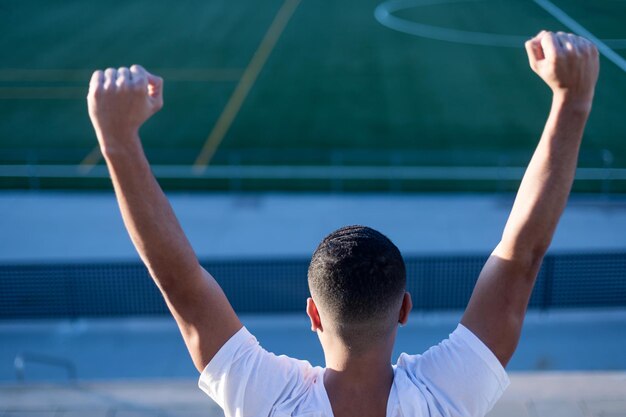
<point x="283" y="120"/>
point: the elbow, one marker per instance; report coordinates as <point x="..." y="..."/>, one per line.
<point x="171" y="277"/>
<point x="163" y="280"/>
<point x="536" y="255"/>
<point x="540" y="247"/>
<point x="530" y="263"/>
<point x="528" y="255"/>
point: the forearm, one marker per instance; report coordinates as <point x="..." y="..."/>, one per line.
<point x="120" y="101"/>
<point x="497" y="307"/>
<point x="148" y="216"/>
<point x="495" y="313"/>
<point x="544" y="190"/>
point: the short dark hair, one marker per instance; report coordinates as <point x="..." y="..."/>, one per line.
<point x="357" y="275"/>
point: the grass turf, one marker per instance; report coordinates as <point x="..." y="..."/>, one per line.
<point x="337" y="86"/>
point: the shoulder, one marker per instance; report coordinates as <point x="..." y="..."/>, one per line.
<point x="243" y="351"/>
<point x="243" y="375"/>
<point x="460" y="373"/>
<point x="461" y="346"/>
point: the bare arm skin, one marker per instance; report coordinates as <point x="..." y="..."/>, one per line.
<point x="120" y="101"/>
<point x="495" y="313"/>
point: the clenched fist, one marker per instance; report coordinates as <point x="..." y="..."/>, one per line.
<point x="568" y="63"/>
<point x="120" y="101"/>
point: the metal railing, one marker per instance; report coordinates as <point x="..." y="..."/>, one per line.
<point x="333" y="170"/>
<point x="22" y="359"/>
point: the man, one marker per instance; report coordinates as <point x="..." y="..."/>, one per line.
<point x="356" y="277"/>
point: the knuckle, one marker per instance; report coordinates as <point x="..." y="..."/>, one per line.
<point x="140" y="83"/>
<point x="108" y="87"/>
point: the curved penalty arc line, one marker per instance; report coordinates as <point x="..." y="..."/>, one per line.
<point x="384" y="14"/>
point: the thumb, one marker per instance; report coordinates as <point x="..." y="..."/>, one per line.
<point x="154" y="79"/>
<point x="155" y="85"/>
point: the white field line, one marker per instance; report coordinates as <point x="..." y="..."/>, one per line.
<point x="577" y="28"/>
<point x="309" y="172"/>
<point x="384" y="14"/>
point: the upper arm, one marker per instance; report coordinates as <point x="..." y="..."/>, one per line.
<point x="496" y="310"/>
<point x="203" y="313"/>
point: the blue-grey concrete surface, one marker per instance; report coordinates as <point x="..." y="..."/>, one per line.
<point x="68" y="227"/>
<point x="537" y="394"/>
<point x="152" y="348"/>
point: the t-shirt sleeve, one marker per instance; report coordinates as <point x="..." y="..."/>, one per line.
<point x="246" y="380"/>
<point x="460" y="377"/>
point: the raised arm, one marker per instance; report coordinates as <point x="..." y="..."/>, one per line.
<point x="120" y="101"/>
<point x="495" y="313"/>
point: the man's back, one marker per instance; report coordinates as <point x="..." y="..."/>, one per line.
<point x="245" y="380"/>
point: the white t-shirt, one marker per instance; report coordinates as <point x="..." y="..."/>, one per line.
<point x="460" y="377"/>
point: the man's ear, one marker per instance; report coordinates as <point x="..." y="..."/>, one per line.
<point x="314" y="315"/>
<point x="405" y="309"/>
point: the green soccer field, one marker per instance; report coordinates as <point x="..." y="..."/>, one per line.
<point x="303" y="94"/>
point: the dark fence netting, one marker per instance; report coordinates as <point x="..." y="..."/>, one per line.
<point x="279" y="285"/>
